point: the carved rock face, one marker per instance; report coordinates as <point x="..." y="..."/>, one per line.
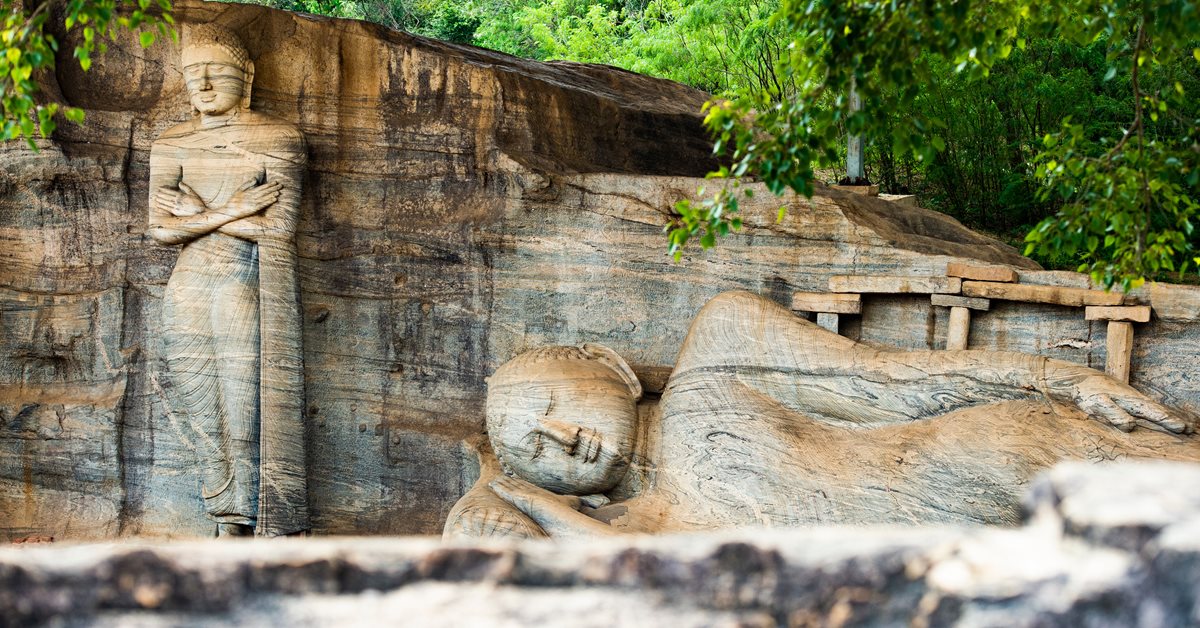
<point x="215" y="80"/>
<point x="564" y="418"/>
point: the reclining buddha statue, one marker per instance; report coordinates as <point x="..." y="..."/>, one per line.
<point x="768" y="419"/>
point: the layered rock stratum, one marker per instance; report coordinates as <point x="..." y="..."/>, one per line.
<point x="460" y="207"/>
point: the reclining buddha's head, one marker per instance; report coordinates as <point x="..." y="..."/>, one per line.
<point x="565" y="418"/>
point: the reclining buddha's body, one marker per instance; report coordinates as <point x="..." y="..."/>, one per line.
<point x="768" y="419"/>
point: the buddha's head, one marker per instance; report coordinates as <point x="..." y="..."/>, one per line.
<point x="217" y="70"/>
<point x="565" y="418"/>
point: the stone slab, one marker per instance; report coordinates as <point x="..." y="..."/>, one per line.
<point x="828" y="321"/>
<point x="981" y="273"/>
<point x="1130" y="313"/>
<point x="1174" y="302"/>
<point x="831" y="302"/>
<point x="872" y="284"/>
<point x="1055" y="295"/>
<point x="950" y="300"/>
<point x="1120" y="533"/>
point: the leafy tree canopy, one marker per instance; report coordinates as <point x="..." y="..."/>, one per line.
<point x="1127" y="199"/>
<point x="28" y="48"/>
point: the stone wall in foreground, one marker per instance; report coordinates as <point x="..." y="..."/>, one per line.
<point x="1111" y="545"/>
<point x="460" y="206"/>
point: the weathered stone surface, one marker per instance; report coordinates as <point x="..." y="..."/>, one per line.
<point x="461" y="206"/>
<point x="1108" y="545"/>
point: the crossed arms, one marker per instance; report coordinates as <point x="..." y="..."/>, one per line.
<point x="255" y="211"/>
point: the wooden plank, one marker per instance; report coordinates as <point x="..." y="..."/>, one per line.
<point x="960" y="328"/>
<point x="951" y="300"/>
<point x="828" y="321"/>
<point x="1129" y="313"/>
<point x="981" y="273"/>
<point x="831" y="302"/>
<point x="880" y="284"/>
<point x="1072" y="297"/>
<point x="1120" y="350"/>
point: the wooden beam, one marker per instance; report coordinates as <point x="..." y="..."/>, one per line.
<point x="960" y="328"/>
<point x="1128" y="313"/>
<point x="1119" y="350"/>
<point x="950" y="300"/>
<point x="879" y="284"/>
<point x="1071" y="297"/>
<point x="831" y="302"/>
<point x="981" y="273"/>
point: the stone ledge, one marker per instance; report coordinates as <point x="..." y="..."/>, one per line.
<point x="1106" y="545"/>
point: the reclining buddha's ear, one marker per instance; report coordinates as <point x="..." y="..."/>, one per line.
<point x="618" y="364"/>
<point x="249" y="84"/>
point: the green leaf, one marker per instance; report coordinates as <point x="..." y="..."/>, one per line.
<point x="146" y="39"/>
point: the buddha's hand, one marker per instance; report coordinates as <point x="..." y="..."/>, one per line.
<point x="534" y="501"/>
<point x="251" y="198"/>
<point x="1108" y="400"/>
<point x="180" y="202"/>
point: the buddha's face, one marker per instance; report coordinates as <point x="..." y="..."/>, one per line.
<point x="215" y="80"/>
<point x="568" y="427"/>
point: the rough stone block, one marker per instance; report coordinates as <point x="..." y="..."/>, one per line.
<point x="1126" y="554"/>
<point x="1175" y="303"/>
<point x="828" y="321"/>
<point x="831" y="302"/>
<point x="950" y="300"/>
<point x="1130" y="313"/>
<point x="1055" y="295"/>
<point x="868" y="284"/>
<point x="981" y="273"/>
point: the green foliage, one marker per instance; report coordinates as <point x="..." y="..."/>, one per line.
<point x="28" y="49"/>
<point x="440" y="19"/>
<point x="1127" y="202"/>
